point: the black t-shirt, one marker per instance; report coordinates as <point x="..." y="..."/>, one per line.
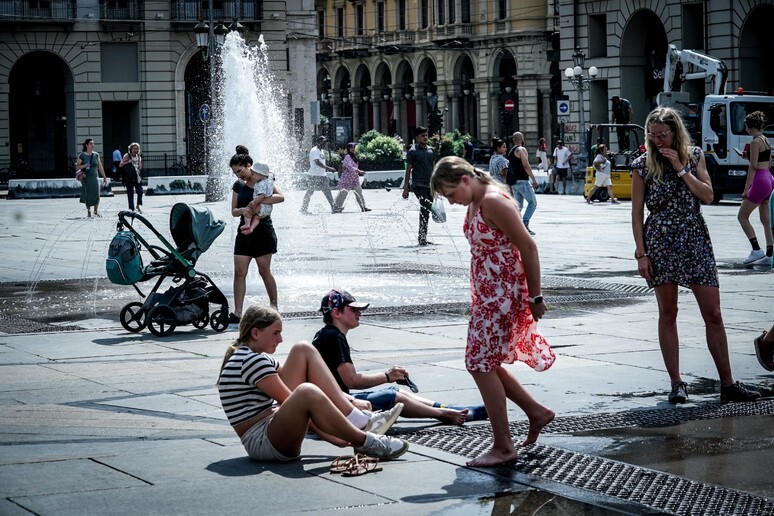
<point x="516" y="166"/>
<point x="334" y="349"/>
<point x="244" y="196"/>
<point x="422" y="161"/>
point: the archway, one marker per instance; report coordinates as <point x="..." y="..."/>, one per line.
<point x="465" y="112"/>
<point x="383" y="110"/>
<point x="41" y="103"/>
<point x="427" y="75"/>
<point x="362" y="100"/>
<point x="407" y="120"/>
<point x="508" y="121"/>
<point x="644" y="39"/>
<point x="197" y="93"/>
<point x="756" y="50"/>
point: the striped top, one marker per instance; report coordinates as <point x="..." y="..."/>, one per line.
<point x="240" y="397"/>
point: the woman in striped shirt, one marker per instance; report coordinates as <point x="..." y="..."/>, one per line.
<point x="271" y="405"/>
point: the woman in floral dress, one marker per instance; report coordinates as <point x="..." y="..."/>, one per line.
<point x="673" y="246"/>
<point x="506" y="302"/>
<point x="350" y="180"/>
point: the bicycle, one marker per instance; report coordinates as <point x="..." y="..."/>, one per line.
<point x="178" y="169"/>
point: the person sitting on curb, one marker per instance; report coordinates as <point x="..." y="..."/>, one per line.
<point x="764" y="349"/>
<point x="271" y="406"/>
<point x="341" y="313"/>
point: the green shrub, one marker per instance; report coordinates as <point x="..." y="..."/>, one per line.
<point x="379" y="152"/>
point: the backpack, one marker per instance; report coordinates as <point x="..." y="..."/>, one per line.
<point x="124" y="263"/>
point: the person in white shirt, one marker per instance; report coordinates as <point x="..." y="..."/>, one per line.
<point x="602" y="171"/>
<point x="318" y="178"/>
<point x="561" y="159"/>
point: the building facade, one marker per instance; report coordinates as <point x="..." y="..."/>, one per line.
<point x="485" y="66"/>
<point x="130" y="70"/>
<point x="628" y="41"/>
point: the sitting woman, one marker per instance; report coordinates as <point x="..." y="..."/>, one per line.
<point x="271" y="406"/>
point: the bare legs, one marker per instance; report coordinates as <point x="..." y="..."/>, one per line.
<point x="708" y="299"/>
<point x="315" y="396"/>
<point x="417" y="406"/>
<point x="745" y="210"/>
<point x="241" y="266"/>
<point x="495" y="386"/>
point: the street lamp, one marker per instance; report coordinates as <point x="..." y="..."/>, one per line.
<point x="581" y="84"/>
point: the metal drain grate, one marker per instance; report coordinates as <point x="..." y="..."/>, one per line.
<point x="18" y="325"/>
<point x="634" y="484"/>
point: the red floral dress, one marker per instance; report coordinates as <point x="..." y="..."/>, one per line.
<point x="501" y="328"/>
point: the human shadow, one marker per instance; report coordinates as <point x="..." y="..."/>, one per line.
<point x="245" y="467"/>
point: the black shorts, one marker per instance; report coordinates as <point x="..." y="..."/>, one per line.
<point x="561" y="173"/>
<point x="262" y="241"/>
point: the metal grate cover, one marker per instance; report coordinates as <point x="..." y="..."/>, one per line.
<point x="656" y="490"/>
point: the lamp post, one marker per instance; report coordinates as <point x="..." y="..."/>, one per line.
<point x="581" y="84"/>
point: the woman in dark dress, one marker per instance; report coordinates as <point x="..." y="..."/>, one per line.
<point x="259" y="245"/>
<point x="90" y="164"/>
<point x="673" y="246"/>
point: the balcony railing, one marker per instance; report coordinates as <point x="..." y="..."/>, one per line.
<point x="120" y="9"/>
<point x="193" y="10"/>
<point x="32" y="11"/>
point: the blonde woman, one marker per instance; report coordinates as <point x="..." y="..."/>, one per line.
<point x="673" y="246"/>
<point x="271" y="406"/>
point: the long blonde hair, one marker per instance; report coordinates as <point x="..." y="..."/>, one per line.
<point x="449" y="171"/>
<point x="257" y="316"/>
<point x="655" y="163"/>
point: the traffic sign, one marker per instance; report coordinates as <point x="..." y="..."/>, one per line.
<point x="204" y="112"/>
<point x="509" y="105"/>
<point x="562" y="107"/>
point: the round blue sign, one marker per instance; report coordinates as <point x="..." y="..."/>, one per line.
<point x="204" y="112"/>
<point x="564" y="107"/>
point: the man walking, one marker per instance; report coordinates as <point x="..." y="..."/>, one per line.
<point x="420" y="161"/>
<point x="561" y="159"/>
<point x="524" y="182"/>
<point x="318" y="177"/>
<point x="622" y="113"/>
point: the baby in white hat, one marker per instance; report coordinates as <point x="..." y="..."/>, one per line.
<point x="262" y="190"/>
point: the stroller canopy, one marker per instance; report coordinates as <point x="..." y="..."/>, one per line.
<point x="194" y="229"/>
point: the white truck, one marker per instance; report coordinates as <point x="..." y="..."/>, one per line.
<point x="716" y="122"/>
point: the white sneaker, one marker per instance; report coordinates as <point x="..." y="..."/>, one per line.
<point x="380" y="422"/>
<point x="383" y="446"/>
<point x="754" y="256"/>
<point x="766" y="260"/>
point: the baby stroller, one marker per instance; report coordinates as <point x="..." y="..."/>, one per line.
<point x="187" y="300"/>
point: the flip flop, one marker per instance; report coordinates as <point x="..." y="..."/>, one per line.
<point x="362" y="465"/>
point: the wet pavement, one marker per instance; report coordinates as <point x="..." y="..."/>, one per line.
<point x="94" y="419"/>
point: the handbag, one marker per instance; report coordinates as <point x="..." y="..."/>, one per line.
<point x="129" y="172"/>
<point x="79" y="175"/>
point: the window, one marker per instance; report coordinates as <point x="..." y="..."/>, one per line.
<point x="693" y="33"/>
<point x="465" y="11"/>
<point x="424" y="14"/>
<point x="452" y="14"/>
<point x="321" y="24"/>
<point x="359" y="20"/>
<point x="441" y="17"/>
<point x="401" y="14"/>
<point x="119" y="62"/>
<point x="380" y="16"/>
<point x="597" y="35"/>
<point x="502" y="9"/>
<point x="739" y="110"/>
<point x="340" y="22"/>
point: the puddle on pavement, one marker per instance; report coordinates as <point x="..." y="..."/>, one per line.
<point x="735" y="452"/>
<point x="532" y="502"/>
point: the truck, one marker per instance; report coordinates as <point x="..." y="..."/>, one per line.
<point x="716" y="122"/>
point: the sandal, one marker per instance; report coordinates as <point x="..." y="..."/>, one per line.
<point x="341" y="464"/>
<point x="361" y="465"/>
<point x="346" y="463"/>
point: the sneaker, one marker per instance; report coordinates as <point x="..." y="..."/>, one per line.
<point x="765" y="352"/>
<point x="765" y="261"/>
<point x="679" y="393"/>
<point x="754" y="256"/>
<point x="738" y="392"/>
<point x="530" y="231"/>
<point x="233" y="319"/>
<point x="383" y="446"/>
<point x="615" y="201"/>
<point x="425" y="242"/>
<point x="380" y="422"/>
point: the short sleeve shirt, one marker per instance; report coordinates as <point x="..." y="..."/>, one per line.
<point x="315" y="154"/>
<point x="422" y="161"/>
<point x="604" y="162"/>
<point x="562" y="157"/>
<point x="334" y="349"/>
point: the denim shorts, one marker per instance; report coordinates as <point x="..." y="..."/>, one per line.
<point x="382" y="399"/>
<point x="257" y="444"/>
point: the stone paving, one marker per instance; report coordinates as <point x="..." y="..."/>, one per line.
<point x="96" y="420"/>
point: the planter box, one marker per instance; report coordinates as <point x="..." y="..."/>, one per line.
<point x="49" y="188"/>
<point x="177" y="185"/>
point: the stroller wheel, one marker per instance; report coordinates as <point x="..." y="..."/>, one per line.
<point x="161" y="320"/>
<point x="133" y="317"/>
<point x="202" y="321"/>
<point x="219" y="320"/>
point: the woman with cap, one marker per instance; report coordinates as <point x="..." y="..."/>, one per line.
<point x="350" y="180"/>
<point x="260" y="243"/>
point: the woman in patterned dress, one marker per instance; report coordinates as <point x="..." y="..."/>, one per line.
<point x="350" y="180"/>
<point x="673" y="246"/>
<point x="506" y="302"/>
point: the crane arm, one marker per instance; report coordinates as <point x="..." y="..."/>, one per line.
<point x="708" y="67"/>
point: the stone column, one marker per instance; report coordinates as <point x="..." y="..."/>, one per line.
<point x="547" y="129"/>
<point x="397" y="105"/>
<point x="420" y="101"/>
<point x="454" y="122"/>
<point x="355" y="99"/>
<point x="376" y="106"/>
<point x="336" y="102"/>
